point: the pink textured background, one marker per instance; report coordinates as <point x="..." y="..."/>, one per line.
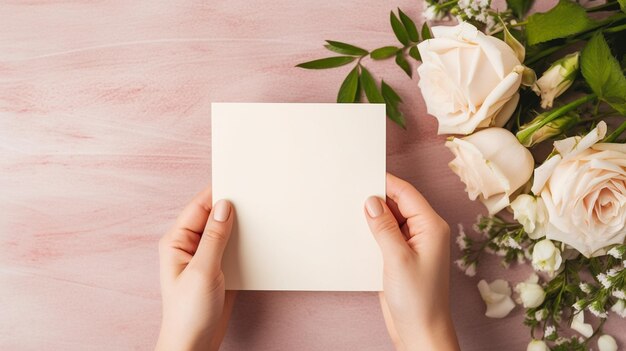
<point x="105" y="135"/>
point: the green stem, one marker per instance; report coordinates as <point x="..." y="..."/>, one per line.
<point x="559" y="297"/>
<point x="615" y="29"/>
<point x="616" y="133"/>
<point x="599" y="117"/>
<point x="554" y="114"/>
<point x="447" y="4"/>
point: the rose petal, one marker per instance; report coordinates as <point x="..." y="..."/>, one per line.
<point x="579" y="325"/>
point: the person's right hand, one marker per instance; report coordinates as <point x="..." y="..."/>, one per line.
<point x="415" y="244"/>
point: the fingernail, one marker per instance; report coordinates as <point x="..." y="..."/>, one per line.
<point x="373" y="206"/>
<point x="221" y="211"/>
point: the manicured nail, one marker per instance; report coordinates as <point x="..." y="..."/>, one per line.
<point x="373" y="206"/>
<point x="221" y="211"/>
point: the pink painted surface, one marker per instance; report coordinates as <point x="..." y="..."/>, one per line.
<point x="105" y="135"/>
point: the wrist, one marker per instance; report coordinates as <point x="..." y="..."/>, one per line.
<point x="167" y="342"/>
<point x="436" y="335"/>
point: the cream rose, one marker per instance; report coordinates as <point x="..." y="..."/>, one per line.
<point x="584" y="189"/>
<point x="468" y="79"/>
<point x="492" y="164"/>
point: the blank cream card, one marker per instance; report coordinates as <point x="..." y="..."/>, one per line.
<point x="298" y="176"/>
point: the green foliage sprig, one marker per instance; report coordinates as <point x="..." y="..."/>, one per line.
<point x="360" y="81"/>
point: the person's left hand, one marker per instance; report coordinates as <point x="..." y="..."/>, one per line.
<point x="195" y="306"/>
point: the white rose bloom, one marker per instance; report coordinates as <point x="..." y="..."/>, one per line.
<point x="497" y="297"/>
<point x="584" y="190"/>
<point x="607" y="343"/>
<point x="531" y="213"/>
<point x="619" y="308"/>
<point x="537" y="345"/>
<point x="556" y="79"/>
<point x="492" y="164"/>
<point x="531" y="294"/>
<point x="579" y="325"/>
<point x="469" y="80"/>
<point x="546" y="257"/>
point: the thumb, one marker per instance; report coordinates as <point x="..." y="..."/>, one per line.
<point x="208" y="256"/>
<point x="385" y="228"/>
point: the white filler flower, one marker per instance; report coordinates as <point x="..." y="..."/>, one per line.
<point x="531" y="294"/>
<point x="607" y="343"/>
<point x="546" y="257"/>
<point x="537" y="345"/>
<point x="531" y="213"/>
<point x="497" y="297"/>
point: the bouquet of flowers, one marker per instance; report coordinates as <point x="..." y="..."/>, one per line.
<point x="534" y="106"/>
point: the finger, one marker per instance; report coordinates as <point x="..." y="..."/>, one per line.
<point x="194" y="217"/>
<point x="385" y="228"/>
<point x="178" y="246"/>
<point x="393" y="206"/>
<point x="410" y="201"/>
<point x="402" y="222"/>
<point x="208" y="257"/>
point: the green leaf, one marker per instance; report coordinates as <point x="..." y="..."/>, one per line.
<point x="415" y="53"/>
<point x="384" y="52"/>
<point x="426" y="32"/>
<point x="389" y="94"/>
<point x="396" y="116"/>
<point x="370" y="88"/>
<point x="622" y="5"/>
<point x="410" y="27"/>
<point x="513" y="43"/>
<point x="519" y="7"/>
<point x="329" y="62"/>
<point x="347" y="91"/>
<point x="529" y="77"/>
<point x="398" y="29"/>
<point x="346" y="49"/>
<point x="402" y="63"/>
<point x="392" y="99"/>
<point x="565" y="19"/>
<point x="603" y="73"/>
<point x="359" y="91"/>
